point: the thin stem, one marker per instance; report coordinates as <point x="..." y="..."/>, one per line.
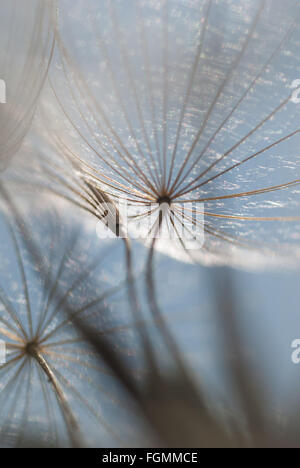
<point x="70" y="420"/>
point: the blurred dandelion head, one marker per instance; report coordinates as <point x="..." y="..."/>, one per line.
<point x="52" y="274"/>
<point x="27" y="43"/>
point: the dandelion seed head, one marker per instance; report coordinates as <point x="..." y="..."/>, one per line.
<point x="191" y="100"/>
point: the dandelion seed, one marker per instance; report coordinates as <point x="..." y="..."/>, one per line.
<point x="166" y="103"/>
<point x="55" y="389"/>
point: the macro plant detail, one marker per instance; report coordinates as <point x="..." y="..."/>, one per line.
<point x="52" y="378"/>
<point x="149" y="223"/>
<point x="159" y="105"/>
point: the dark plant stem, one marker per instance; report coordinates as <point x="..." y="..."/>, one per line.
<point x="70" y="420"/>
<point x="136" y="310"/>
<point x="156" y="312"/>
